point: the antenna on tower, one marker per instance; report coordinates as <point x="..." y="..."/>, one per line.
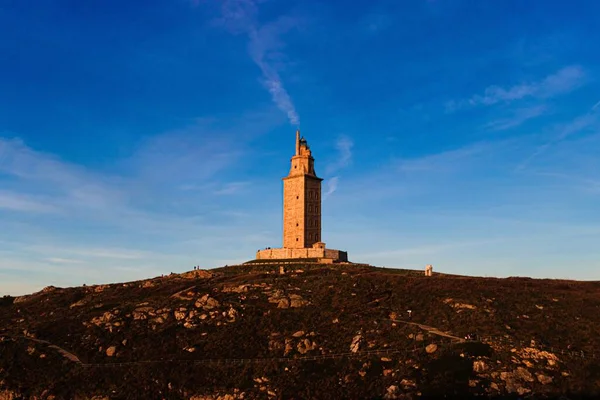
<point x="298" y="142"/>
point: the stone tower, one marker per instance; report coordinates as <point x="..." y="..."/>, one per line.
<point x="301" y="200"/>
<point x="302" y="214"/>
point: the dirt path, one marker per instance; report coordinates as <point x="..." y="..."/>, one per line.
<point x="430" y="329"/>
<point x="66" y="354"/>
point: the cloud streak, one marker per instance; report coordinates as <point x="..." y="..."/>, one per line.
<point x="581" y="123"/>
<point x="343" y="159"/>
<point x="519" y="117"/>
<point x="240" y="16"/>
<point x="563" y="81"/>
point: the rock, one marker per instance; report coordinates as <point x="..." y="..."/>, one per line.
<point x="388" y="372"/>
<point x="111" y="351"/>
<point x="391" y="392"/>
<point x="232" y="314"/>
<point x="406" y="383"/>
<point x="180" y="314"/>
<point x="335" y="321"/>
<point x="479" y="366"/>
<point x="296" y="303"/>
<point x="524" y="374"/>
<point x="431" y="348"/>
<point x="148" y="284"/>
<point x="103" y="319"/>
<point x="356" y="341"/>
<point x="419" y="337"/>
<point x="79" y="303"/>
<point x="544" y="379"/>
<point x="141" y="312"/>
<point x="386" y="359"/>
<point x="305" y="346"/>
<point x="206" y="302"/>
<point x="298" y="334"/>
<point x="283" y="303"/>
<point x="236" y="289"/>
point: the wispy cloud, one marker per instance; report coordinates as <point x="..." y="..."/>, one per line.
<point x="519" y="116"/>
<point x="563" y="81"/>
<point x="265" y="46"/>
<point x="330" y="186"/>
<point x="19" y="202"/>
<point x="231" y="188"/>
<point x="139" y="203"/>
<point x="58" y="260"/>
<point x="589" y="120"/>
<point x="343" y="159"/>
<point x="447" y="160"/>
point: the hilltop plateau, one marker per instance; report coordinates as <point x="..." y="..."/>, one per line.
<point x="314" y="331"/>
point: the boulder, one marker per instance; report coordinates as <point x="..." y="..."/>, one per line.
<point x="544" y="379"/>
<point x="479" y="366"/>
<point x="111" y="351"/>
<point x="431" y="348"/>
<point x="356" y="342"/>
<point x="283" y="303"/>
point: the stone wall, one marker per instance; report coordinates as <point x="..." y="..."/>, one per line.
<point x="286" y="253"/>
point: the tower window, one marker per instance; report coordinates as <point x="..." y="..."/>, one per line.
<point x="310" y="194"/>
<point x="296" y="239"/>
<point x="317" y="238"/>
<point x="296" y="224"/>
<point x="310" y="236"/>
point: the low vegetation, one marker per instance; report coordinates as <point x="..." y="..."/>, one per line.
<point x="312" y="332"/>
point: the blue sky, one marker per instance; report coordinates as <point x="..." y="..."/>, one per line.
<point x="142" y="138"/>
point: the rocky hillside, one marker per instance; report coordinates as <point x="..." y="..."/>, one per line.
<point x="311" y="332"/>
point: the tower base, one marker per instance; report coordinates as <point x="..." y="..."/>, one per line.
<point x="318" y="251"/>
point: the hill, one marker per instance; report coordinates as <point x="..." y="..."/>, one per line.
<point x="314" y="332"/>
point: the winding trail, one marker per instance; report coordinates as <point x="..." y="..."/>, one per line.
<point x="430" y="329"/>
<point x="65" y="353"/>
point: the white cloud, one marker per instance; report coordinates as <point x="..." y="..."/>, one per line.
<point x="343" y="159"/>
<point x="563" y="81"/>
<point x="587" y="121"/>
<point x="265" y="44"/>
<point x="519" y="117"/>
<point x="447" y="160"/>
<point x="22" y="203"/>
<point x="58" y="260"/>
<point x="331" y="185"/>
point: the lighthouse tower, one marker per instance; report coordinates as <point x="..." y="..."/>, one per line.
<point x="301" y="200"/>
<point x="302" y="213"/>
